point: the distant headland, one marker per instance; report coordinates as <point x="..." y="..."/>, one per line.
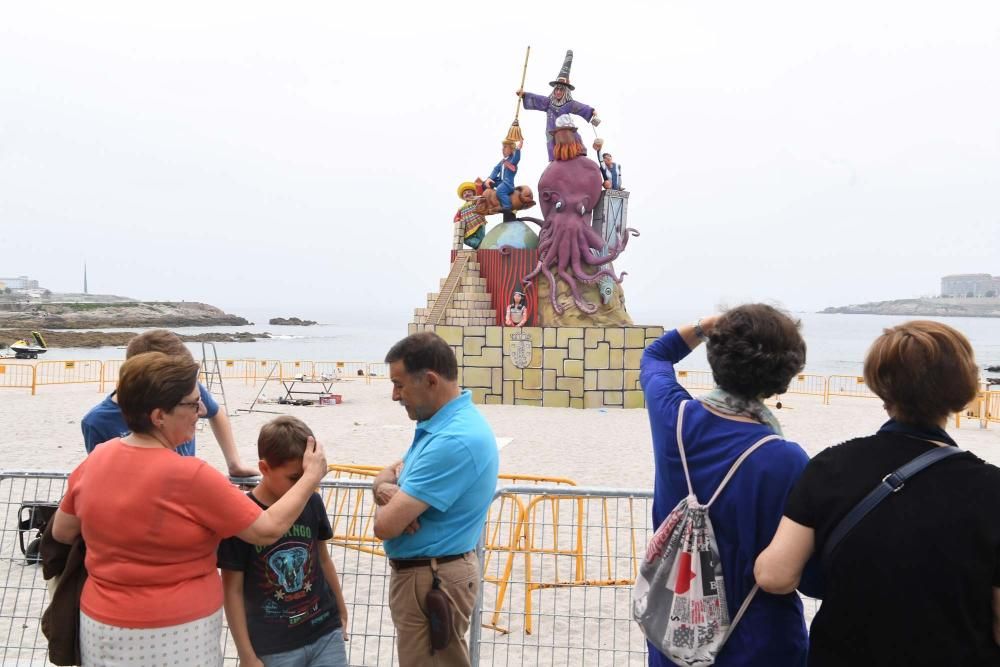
<point x="925" y="307"/>
<point x="65" y="319"/>
<point x="962" y="295"/>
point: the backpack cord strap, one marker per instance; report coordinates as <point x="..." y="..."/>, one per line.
<point x="732" y="470"/>
<point x="680" y="447"/>
<point x="739" y="614"/>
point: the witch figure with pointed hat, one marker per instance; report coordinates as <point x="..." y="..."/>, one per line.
<point x="559" y="103"/>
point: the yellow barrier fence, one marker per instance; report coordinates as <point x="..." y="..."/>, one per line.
<point x="811" y="385"/>
<point x="847" y="385"/>
<point x="695" y="379"/>
<point x="342" y="370"/>
<point x="109" y="374"/>
<point x="70" y="372"/>
<point x="17" y="376"/>
<point x="991" y="406"/>
<point x="289" y="369"/>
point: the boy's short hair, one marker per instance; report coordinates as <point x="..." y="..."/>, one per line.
<point x="157" y="340"/>
<point x="923" y="371"/>
<point x="282" y="440"/>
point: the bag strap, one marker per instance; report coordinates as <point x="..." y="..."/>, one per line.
<point x="732" y="469"/>
<point x="890" y="484"/>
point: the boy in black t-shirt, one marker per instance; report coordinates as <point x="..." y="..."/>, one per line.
<point x="283" y="601"/>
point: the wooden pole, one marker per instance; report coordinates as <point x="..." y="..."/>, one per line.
<point x="524" y="74"/>
<point x="514" y="134"/>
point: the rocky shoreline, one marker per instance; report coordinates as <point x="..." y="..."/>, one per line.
<point x="140" y="314"/>
<point x="940" y="307"/>
<point x="62" y="338"/>
<point x="67" y="324"/>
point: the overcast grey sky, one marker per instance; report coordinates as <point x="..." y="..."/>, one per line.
<point x="294" y="154"/>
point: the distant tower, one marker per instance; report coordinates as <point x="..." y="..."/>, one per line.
<point x="85" y="278"/>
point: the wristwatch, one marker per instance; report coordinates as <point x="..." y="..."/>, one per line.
<point x="699" y="332"/>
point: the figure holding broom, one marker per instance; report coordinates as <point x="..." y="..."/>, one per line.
<point x="559" y="103"/>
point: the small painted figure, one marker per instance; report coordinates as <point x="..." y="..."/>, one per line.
<point x="473" y="224"/>
<point x="612" y="173"/>
<point x="567" y="144"/>
<point x="517" y="310"/>
<point x="559" y="103"/>
<point x="502" y="177"/>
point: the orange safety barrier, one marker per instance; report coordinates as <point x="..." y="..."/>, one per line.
<point x="109" y="373"/>
<point x="504" y="532"/>
<point x="811" y="385"/>
<point x="695" y="379"/>
<point x="70" y="372"/>
<point x="991" y="406"/>
<point x="17" y="376"/>
<point x="976" y="409"/>
<point x="289" y="369"/>
<point x="342" y="370"/>
<point x="847" y="385"/>
<point x="378" y="371"/>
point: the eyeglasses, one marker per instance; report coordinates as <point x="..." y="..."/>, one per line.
<point x="190" y="404"/>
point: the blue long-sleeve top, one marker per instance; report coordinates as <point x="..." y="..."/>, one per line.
<point x="772" y="633"/>
<point x="506" y="169"/>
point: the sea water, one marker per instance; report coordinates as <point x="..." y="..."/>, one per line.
<point x="836" y="343"/>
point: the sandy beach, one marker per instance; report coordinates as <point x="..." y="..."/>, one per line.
<point x="572" y="624"/>
<point x="594" y="447"/>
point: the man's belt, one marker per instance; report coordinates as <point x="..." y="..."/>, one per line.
<point x="406" y="563"/>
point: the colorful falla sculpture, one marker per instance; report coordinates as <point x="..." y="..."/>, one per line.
<point x="569" y="248"/>
<point x="582" y="230"/>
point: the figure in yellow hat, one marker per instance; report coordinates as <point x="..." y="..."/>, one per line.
<point x="473" y="224"/>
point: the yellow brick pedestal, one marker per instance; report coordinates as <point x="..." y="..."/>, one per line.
<point x="575" y="367"/>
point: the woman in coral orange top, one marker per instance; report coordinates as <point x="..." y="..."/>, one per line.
<point x="152" y="522"/>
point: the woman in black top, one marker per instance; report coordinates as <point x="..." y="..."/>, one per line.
<point x="916" y="581"/>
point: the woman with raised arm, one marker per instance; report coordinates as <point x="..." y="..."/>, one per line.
<point x="152" y="522"/>
<point x="754" y="352"/>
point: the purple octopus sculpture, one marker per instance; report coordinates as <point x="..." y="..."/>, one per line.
<point x="568" y="191"/>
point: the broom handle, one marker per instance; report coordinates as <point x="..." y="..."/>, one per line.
<point x="524" y="75"/>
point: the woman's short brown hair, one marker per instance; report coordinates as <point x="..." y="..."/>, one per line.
<point x="153" y="380"/>
<point x="282" y="440"/>
<point x="755" y="350"/>
<point x="923" y="371"/>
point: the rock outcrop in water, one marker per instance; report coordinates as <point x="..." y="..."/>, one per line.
<point x="289" y="322"/>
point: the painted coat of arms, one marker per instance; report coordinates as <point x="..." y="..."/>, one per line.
<point x="520" y="349"/>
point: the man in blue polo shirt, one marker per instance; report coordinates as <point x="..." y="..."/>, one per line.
<point x="432" y="504"/>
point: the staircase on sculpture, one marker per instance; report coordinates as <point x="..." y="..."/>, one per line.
<point x="463" y="299"/>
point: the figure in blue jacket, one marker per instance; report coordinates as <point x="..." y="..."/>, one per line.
<point x="502" y="177"/>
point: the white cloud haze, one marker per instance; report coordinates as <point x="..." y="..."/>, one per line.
<point x="308" y="153"/>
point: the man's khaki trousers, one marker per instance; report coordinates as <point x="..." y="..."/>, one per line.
<point x="407" y="591"/>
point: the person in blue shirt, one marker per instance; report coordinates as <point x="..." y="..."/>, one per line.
<point x="105" y="421"/>
<point x="754" y="352"/>
<point x="432" y="504"/>
<point x="502" y="177"/>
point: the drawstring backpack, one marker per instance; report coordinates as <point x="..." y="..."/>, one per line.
<point x="679" y="597"/>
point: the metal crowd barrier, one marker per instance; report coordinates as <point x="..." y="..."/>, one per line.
<point x="569" y="580"/>
<point x="847" y="385"/>
<point x="17" y="376"/>
<point x="252" y="371"/>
